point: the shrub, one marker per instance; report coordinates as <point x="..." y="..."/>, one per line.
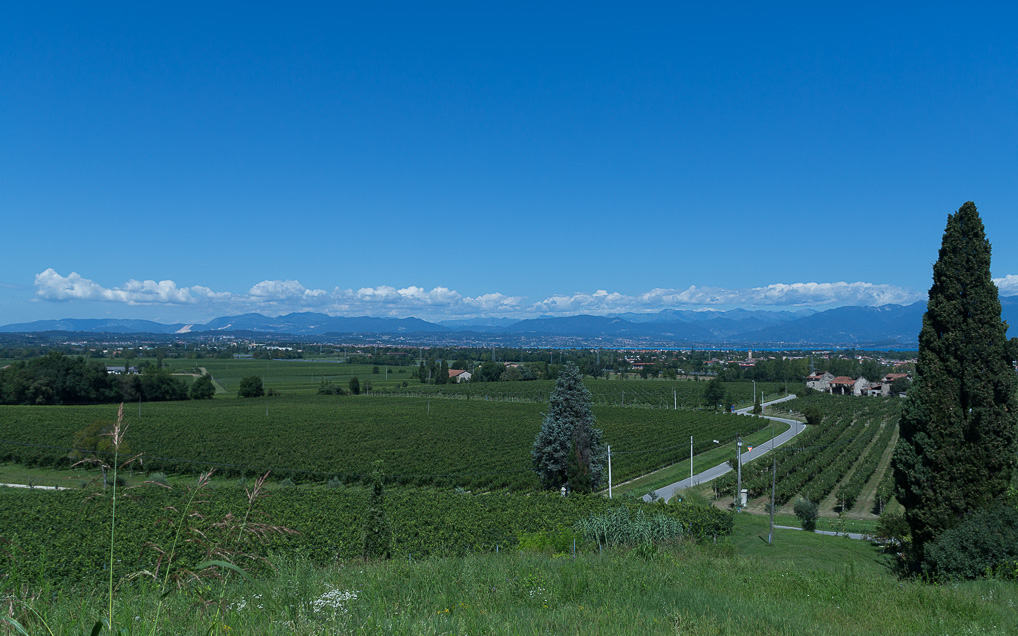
<point x="557" y="541"/>
<point x="893" y="527"/>
<point x="813" y="415"/>
<point x="985" y="541"/>
<point x="251" y="386"/>
<point x="806" y="511"/>
<point x="621" y="527"/>
<point x="328" y="388"/>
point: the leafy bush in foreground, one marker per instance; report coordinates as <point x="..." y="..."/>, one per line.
<point x="986" y="541"/>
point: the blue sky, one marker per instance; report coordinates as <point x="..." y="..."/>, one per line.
<point x="179" y="162"/>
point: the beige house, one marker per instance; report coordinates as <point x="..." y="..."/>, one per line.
<point x="459" y="375"/>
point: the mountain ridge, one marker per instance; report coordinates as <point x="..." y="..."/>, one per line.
<point x="843" y="326"/>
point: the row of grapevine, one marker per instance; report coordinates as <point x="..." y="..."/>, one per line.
<point x="839" y="461"/>
<point x="848" y="493"/>
<point x="63" y="536"/>
<point x="815" y="462"/>
<point x="475" y="445"/>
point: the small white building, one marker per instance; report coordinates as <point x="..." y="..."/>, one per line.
<point x="459" y="375"/>
<point x="861" y="386"/>
<point x="122" y="370"/>
<point x="820" y="381"/>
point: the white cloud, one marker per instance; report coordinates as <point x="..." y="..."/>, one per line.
<point x="774" y="296"/>
<point x="1008" y="285"/>
<point x="281" y="296"/>
<point x="50" y="285"/>
<point x="286" y="290"/>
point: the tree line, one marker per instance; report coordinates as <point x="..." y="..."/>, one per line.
<point x="56" y="378"/>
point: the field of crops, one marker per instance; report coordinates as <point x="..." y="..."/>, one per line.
<point x="64" y="536"/>
<point x="642" y="393"/>
<point x="839" y="457"/>
<point x="474" y="443"/>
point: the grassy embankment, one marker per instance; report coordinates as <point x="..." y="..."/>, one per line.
<point x="804" y="583"/>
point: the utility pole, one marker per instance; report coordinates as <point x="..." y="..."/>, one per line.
<point x="609" y="471"/>
<point x="675" y="400"/>
<point x="738" y="479"/>
<point x="690" y="460"/>
<point x="774" y="476"/>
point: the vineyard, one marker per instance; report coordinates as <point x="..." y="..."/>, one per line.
<point x="838" y="457"/>
<point x="64" y="536"/>
<point x="641" y="393"/>
<point x="474" y="444"/>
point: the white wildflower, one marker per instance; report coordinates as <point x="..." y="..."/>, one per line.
<point x="334" y="598"/>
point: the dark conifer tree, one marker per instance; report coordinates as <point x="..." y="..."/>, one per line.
<point x="568" y="448"/>
<point x="377" y="533"/>
<point x="956" y="451"/>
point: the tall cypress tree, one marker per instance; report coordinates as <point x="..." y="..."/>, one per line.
<point x="957" y="445"/>
<point x="568" y="448"/>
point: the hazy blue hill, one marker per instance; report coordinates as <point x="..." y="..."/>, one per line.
<point x="887" y="324"/>
<point x="481" y="325"/>
<point x="307" y="323"/>
<point x="844" y="326"/>
<point x="585" y="326"/>
<point x="92" y="325"/>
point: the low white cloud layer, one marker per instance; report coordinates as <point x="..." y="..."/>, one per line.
<point x="50" y="285"/>
<point x="776" y="295"/>
<point x="281" y="296"/>
<point x="1008" y="285"/>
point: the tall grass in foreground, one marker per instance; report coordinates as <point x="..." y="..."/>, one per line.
<point x="681" y="588"/>
<point x="222" y="542"/>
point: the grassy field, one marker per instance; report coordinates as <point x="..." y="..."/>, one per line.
<point x="803" y="584"/>
<point x="294" y="376"/>
<point x="650" y="393"/>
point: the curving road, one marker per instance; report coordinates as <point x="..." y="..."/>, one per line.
<point x="795" y="427"/>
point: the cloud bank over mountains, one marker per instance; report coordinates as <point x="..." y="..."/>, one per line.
<point x="442" y="302"/>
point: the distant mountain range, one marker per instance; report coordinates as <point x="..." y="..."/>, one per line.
<point x="888" y="325"/>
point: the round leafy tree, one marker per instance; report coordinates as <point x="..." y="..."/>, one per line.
<point x="251" y="386"/>
<point x="202" y="388"/>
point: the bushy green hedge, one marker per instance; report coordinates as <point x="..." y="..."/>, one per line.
<point x="985" y="542"/>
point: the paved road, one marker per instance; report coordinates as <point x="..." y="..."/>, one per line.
<point x="851" y="535"/>
<point x="33" y="487"/>
<point x="667" y="492"/>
